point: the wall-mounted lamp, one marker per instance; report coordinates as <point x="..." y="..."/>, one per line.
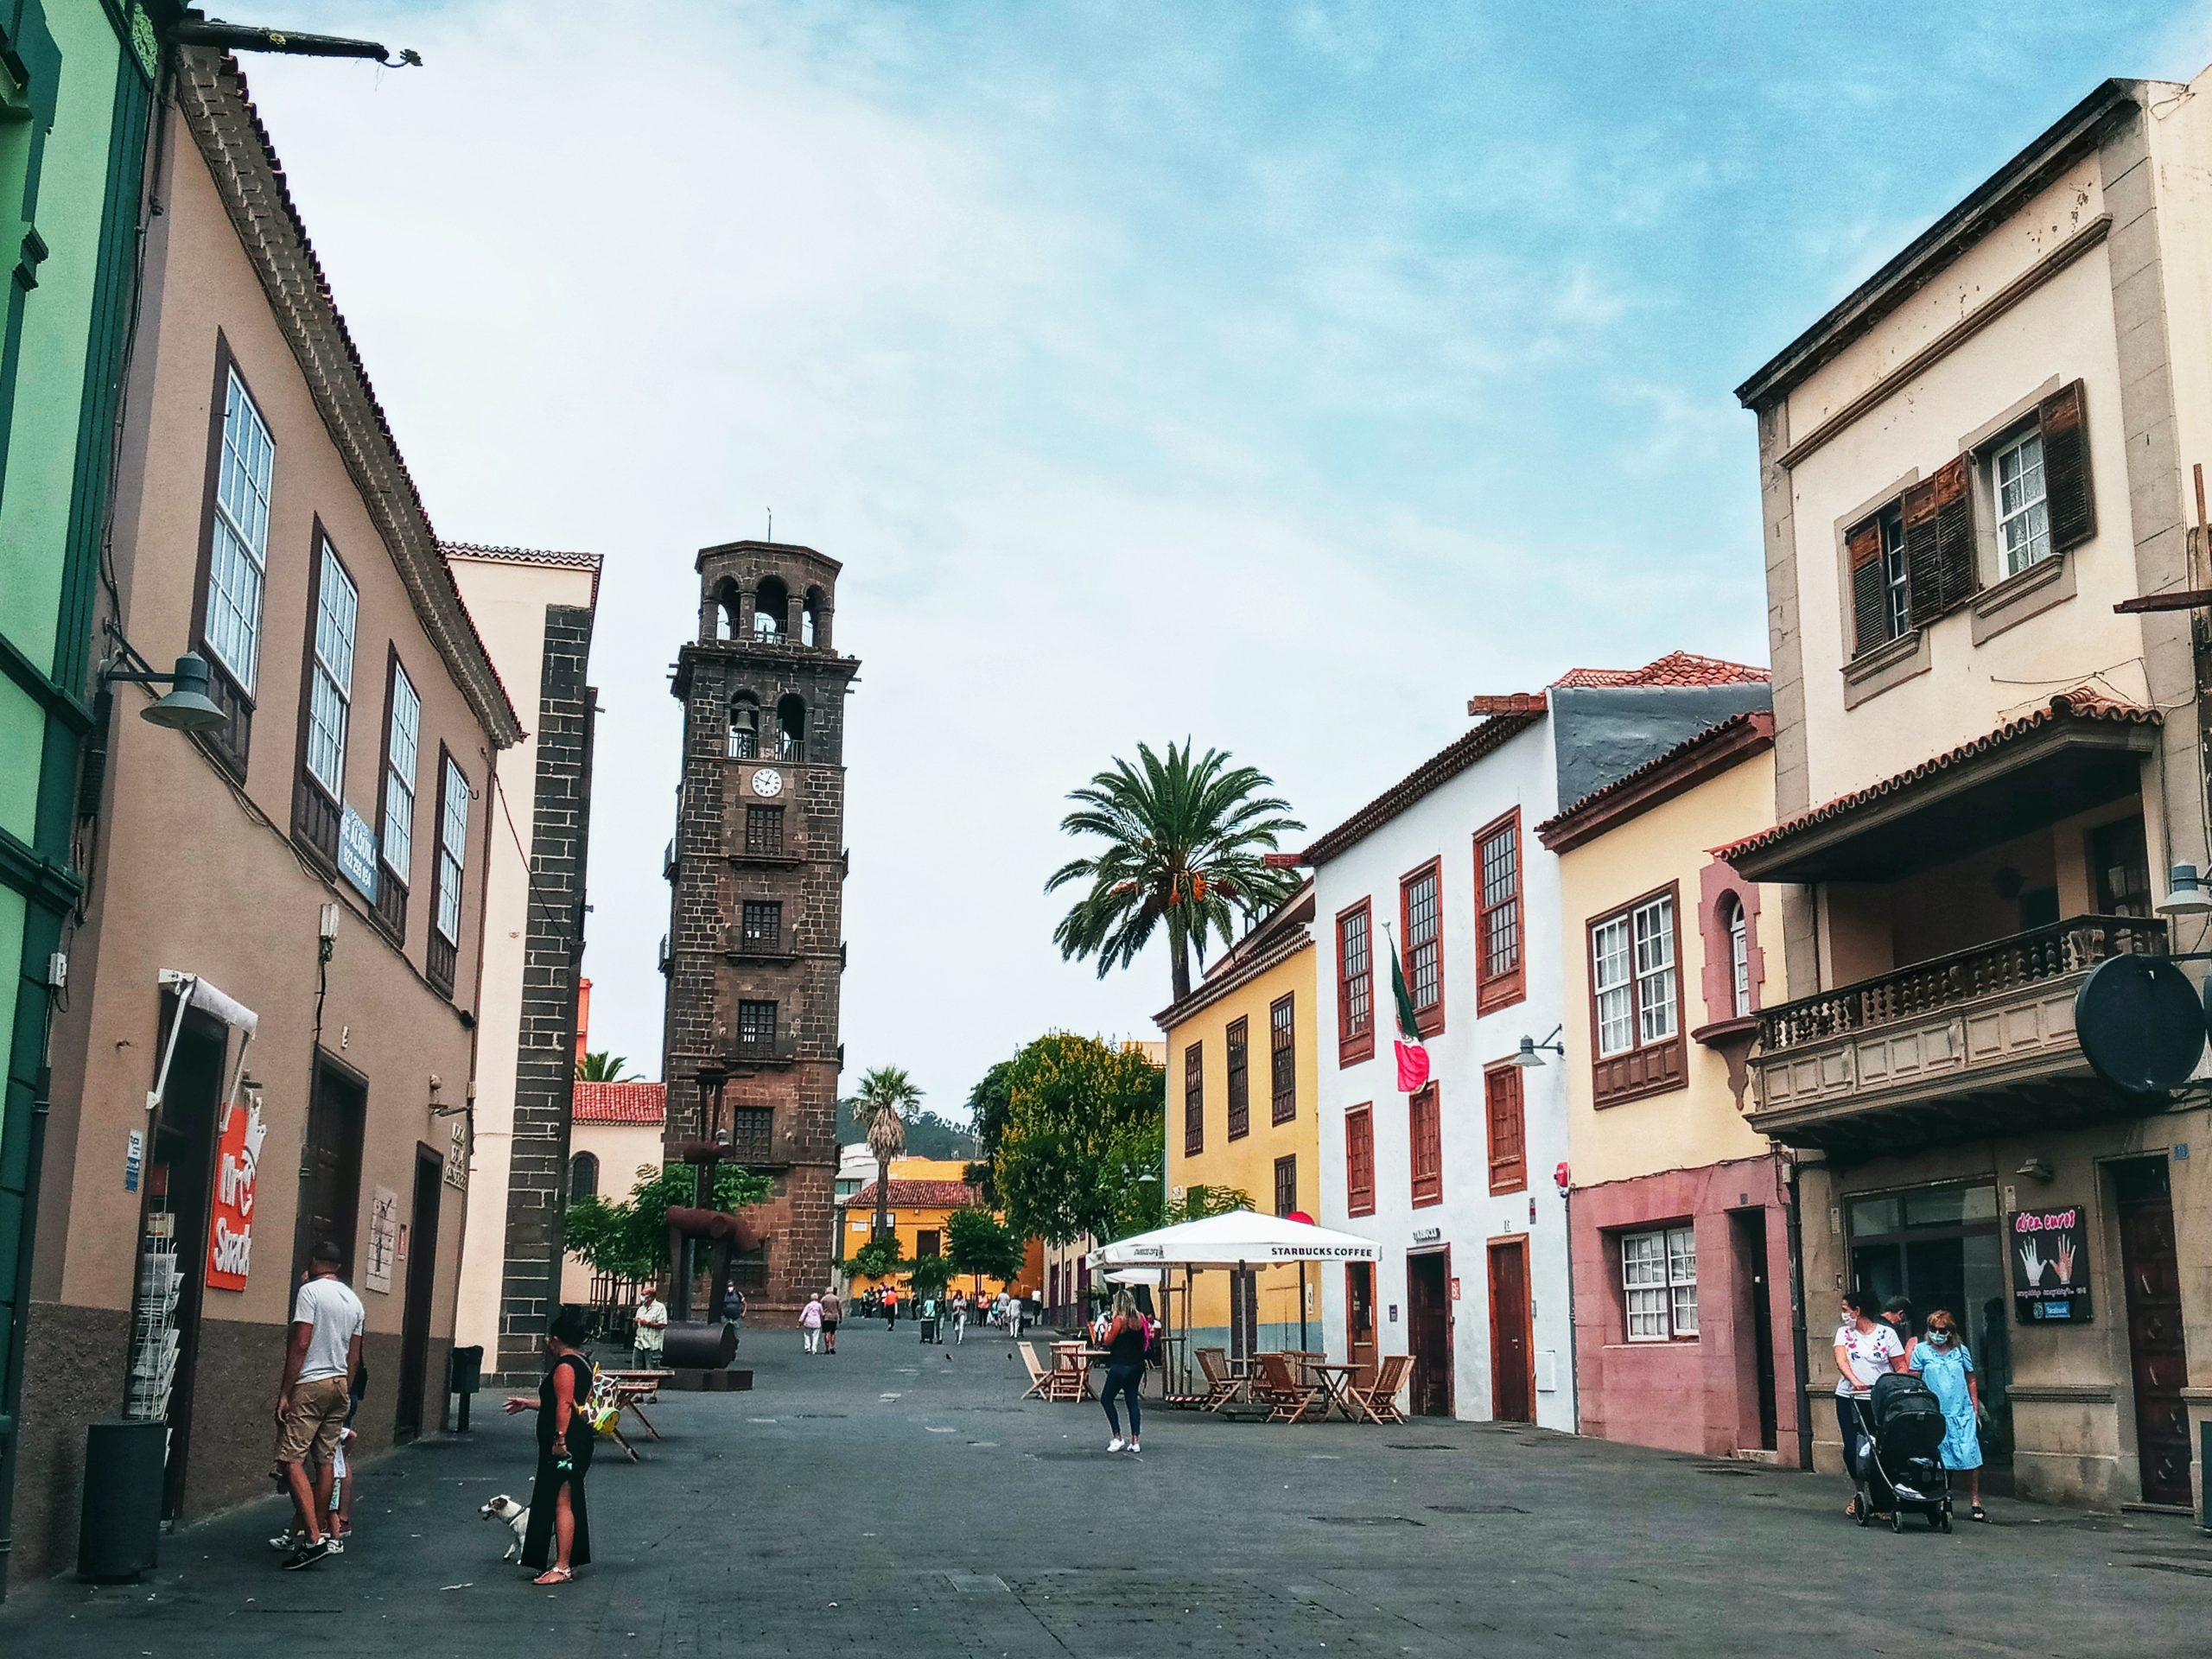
<point x="1527" y="1055"/>
<point x="2185" y="894"/>
<point x="326" y="929"/>
<point x="186" y="707"/>
<point x="2036" y="1170"/>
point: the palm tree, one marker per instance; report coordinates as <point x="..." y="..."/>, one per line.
<point x="1185" y="841"/>
<point x="885" y="1095"/>
<point x="601" y="1066"/>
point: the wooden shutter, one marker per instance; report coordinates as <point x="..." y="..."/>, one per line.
<point x="1956" y="555"/>
<point x="1924" y="579"/>
<point x="1870" y="595"/>
<point x="2066" y="469"/>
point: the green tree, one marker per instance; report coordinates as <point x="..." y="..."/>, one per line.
<point x="881" y="1257"/>
<point x="927" y="1135"/>
<point x="1199" y="1201"/>
<point x="601" y="1066"/>
<point x="1186" y="844"/>
<point x="886" y="1094"/>
<point x="1084" y="1126"/>
<point x="987" y="1111"/>
<point x="628" y="1238"/>
<point x="978" y="1244"/>
<point x="928" y="1275"/>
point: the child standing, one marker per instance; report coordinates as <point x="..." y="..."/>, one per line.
<point x="1944" y="1364"/>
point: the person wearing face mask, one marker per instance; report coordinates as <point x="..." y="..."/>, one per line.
<point x="1944" y="1364"/>
<point x="1865" y="1348"/>
<point x="1896" y="1313"/>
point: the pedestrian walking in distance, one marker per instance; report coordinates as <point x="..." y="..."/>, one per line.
<point x="959" y="1320"/>
<point x="833" y="1313"/>
<point x="559" y="1539"/>
<point x="890" y="1310"/>
<point x="320" y="1360"/>
<point x="649" y="1330"/>
<point x="1944" y="1364"/>
<point x="810" y="1325"/>
<point x="1126" y="1338"/>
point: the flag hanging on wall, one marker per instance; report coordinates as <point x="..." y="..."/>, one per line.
<point x="1413" y="1053"/>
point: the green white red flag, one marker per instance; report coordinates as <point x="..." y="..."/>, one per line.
<point x="1413" y="1053"/>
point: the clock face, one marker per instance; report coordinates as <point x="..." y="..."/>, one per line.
<point x="768" y="783"/>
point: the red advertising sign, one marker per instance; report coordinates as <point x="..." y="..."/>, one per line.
<point x="230" y="1231"/>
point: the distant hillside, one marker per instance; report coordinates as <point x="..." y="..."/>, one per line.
<point x="928" y="1136"/>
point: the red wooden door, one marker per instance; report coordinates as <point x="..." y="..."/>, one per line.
<point x="2157" y="1351"/>
<point x="1429" y="1316"/>
<point x="1512" y="1344"/>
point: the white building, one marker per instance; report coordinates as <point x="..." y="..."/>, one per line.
<point x="1455" y="1182"/>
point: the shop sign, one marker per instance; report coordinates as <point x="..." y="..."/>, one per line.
<point x="457" y="1156"/>
<point x="134" y="1159"/>
<point x="2050" y="1266"/>
<point x="356" y="852"/>
<point x="1427" y="1234"/>
<point x="383" y="1240"/>
<point x="1455" y="1287"/>
<point x="238" y="1163"/>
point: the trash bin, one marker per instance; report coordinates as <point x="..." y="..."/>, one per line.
<point x="120" y="1535"/>
<point x="464" y="1376"/>
<point x="929" y="1328"/>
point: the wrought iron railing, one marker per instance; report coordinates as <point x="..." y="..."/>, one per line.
<point x="1926" y="987"/>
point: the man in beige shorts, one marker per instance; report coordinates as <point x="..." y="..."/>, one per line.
<point x="320" y="1362"/>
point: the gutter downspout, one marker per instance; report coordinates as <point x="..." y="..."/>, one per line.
<point x="1793" y="1214"/>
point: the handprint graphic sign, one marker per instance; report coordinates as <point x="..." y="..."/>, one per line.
<point x="2050" y="1266"/>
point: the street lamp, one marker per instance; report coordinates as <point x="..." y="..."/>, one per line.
<point x="1526" y="1056"/>
<point x="186" y="707"/>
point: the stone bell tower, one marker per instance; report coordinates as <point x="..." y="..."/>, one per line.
<point x="755" y="942"/>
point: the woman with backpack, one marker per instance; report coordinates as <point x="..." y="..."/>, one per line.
<point x="1127" y="1338"/>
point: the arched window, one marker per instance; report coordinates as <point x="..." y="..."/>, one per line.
<point x="744" y="727"/>
<point x="771" y="609"/>
<point x="791" y="728"/>
<point x="584" y="1176"/>
<point x="1739" y="955"/>
<point x="811" y="619"/>
<point x="725" y="604"/>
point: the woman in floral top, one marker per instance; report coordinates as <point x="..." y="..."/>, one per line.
<point x="1865" y="1348"/>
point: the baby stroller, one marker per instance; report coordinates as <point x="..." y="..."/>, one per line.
<point x="1898" y="1465"/>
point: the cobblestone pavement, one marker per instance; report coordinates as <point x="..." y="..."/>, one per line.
<point x="896" y="1499"/>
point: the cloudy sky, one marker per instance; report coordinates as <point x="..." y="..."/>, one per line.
<point x="1272" y="375"/>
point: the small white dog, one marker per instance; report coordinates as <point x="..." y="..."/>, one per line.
<point x="517" y="1516"/>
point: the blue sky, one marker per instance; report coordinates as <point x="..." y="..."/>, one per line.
<point x="1274" y="375"/>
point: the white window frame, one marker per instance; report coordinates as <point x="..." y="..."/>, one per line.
<point x="1739" y="957"/>
<point x="1659" y="1284"/>
<point x="1609" y="970"/>
<point x="1898" y="593"/>
<point x="237" y="562"/>
<point x="402" y="754"/>
<point x="452" y="848"/>
<point x="2024" y="524"/>
<point x="1657" y="1001"/>
<point x="330" y="674"/>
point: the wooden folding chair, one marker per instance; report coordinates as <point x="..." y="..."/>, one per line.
<point x="1289" y="1398"/>
<point x="1222" y="1387"/>
<point x="1040" y="1380"/>
<point x="1379" y="1399"/>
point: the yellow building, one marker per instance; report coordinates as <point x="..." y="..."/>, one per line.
<point x="1247" y="1031"/>
<point x="924" y="1191"/>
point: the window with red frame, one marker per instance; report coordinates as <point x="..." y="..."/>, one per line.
<point x="1500" y="978"/>
<point x="1359" y="1160"/>
<point x="1420" y="914"/>
<point x="1355" y="985"/>
<point x="1426" y="1137"/>
<point x="1194" y="1102"/>
<point x="1508" y="1154"/>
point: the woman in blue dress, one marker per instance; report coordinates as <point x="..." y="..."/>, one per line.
<point x="1945" y="1365"/>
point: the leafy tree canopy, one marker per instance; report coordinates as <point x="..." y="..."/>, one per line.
<point x="988" y="1106"/>
<point x="880" y="1258"/>
<point x="1084" y="1127"/>
<point x="628" y="1238"/>
<point x="928" y="1277"/>
<point x="978" y="1244"/>
<point x="1200" y="1201"/>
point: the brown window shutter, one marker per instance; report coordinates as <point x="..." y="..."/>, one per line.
<point x="1954" y="550"/>
<point x="1870" y="598"/>
<point x="1923" y="573"/>
<point x="2066" y="469"/>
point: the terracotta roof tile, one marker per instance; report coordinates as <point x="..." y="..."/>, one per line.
<point x="620" y="1103"/>
<point x="927" y="1195"/>
<point x="1675" y="668"/>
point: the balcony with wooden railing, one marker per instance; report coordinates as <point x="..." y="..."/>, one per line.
<point x="1947" y="1048"/>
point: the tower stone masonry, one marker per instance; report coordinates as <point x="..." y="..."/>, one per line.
<point x="755" y="944"/>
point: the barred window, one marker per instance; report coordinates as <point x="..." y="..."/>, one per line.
<point x="763" y="830"/>
<point x="1282" y="1060"/>
<point x="756" y="1026"/>
<point x="761" y="926"/>
<point x="1194" y="1105"/>
<point x="1240" y="1081"/>
<point x="1286" y="1183"/>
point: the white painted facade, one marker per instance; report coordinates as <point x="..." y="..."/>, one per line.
<point x="1520" y="772"/>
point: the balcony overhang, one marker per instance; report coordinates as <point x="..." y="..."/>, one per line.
<point x="2078" y="752"/>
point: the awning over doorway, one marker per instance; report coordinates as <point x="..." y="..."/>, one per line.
<point x="2079" y="751"/>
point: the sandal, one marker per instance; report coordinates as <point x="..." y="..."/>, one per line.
<point x="1977" y="1512"/>
<point x="556" y="1575"/>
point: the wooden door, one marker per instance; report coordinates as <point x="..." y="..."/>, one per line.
<point x="1428" y="1317"/>
<point x="1359" y="1318"/>
<point x="2158" y="1353"/>
<point x="1512" y="1342"/>
<point x="421" y="1291"/>
<point x="330" y="1170"/>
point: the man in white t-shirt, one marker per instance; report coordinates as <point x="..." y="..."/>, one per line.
<point x="649" y="1328"/>
<point x="320" y="1363"/>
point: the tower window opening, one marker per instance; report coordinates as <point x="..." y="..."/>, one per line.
<point x="744" y="727"/>
<point x="771" y="609"/>
<point x="791" y="729"/>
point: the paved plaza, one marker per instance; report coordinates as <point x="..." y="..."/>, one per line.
<point x="897" y="1499"/>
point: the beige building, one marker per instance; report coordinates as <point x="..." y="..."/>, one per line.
<point x="614" y="1132"/>
<point x="272" y="998"/>
<point x="534" y="611"/>
<point x="1984" y="766"/>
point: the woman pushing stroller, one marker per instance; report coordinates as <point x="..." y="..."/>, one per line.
<point x="1866" y="1348"/>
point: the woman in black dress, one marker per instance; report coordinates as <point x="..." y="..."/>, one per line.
<point x="559" y="1527"/>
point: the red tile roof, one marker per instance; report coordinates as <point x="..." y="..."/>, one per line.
<point x="925" y="1195"/>
<point x="621" y="1103"/>
<point x="1675" y="668"/>
<point x="2083" y="703"/>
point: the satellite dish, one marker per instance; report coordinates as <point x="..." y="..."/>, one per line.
<point x="2141" y="1026"/>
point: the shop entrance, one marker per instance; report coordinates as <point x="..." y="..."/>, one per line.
<point x="1359" y="1318"/>
<point x="2156" y="1349"/>
<point x="1512" y="1342"/>
<point x="1429" y="1332"/>
<point x="330" y="1167"/>
<point x="1747" y="1238"/>
<point x="1941" y="1246"/>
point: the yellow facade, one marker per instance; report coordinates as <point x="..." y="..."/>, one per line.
<point x="1275" y="961"/>
<point x="911" y="1221"/>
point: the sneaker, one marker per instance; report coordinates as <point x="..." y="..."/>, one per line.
<point x="284" y="1542"/>
<point x="1115" y="1444"/>
<point x="307" y="1555"/>
<point x="337" y="1544"/>
<point x="1133" y="1446"/>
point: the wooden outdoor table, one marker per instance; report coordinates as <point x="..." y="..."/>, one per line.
<point x="1336" y="1384"/>
<point x="631" y="1390"/>
<point x="1071" y="1363"/>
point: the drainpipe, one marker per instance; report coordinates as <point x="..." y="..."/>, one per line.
<point x="1793" y="1212"/>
